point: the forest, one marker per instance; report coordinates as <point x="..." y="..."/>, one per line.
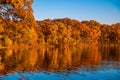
<point x="19" y="27"/>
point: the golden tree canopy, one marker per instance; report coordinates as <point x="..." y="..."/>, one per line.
<point x="16" y="9"/>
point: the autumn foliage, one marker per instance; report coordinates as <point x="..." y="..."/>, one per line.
<point x="72" y="32"/>
<point x="18" y="26"/>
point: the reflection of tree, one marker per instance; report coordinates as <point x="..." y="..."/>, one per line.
<point x="110" y="53"/>
<point x="57" y="59"/>
<point x="91" y="56"/>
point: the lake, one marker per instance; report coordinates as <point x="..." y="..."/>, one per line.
<point x="63" y="63"/>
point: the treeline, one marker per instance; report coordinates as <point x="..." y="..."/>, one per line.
<point x="18" y="27"/>
<point x="68" y="31"/>
<point x="58" y="32"/>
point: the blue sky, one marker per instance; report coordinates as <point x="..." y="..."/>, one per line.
<point x="103" y="11"/>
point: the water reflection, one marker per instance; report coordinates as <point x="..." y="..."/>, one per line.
<point x="58" y="59"/>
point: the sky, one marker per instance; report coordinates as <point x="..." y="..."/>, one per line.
<point x="103" y="11"/>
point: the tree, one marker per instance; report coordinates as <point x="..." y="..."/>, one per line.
<point x="16" y="9"/>
<point x="18" y="21"/>
<point x="94" y="32"/>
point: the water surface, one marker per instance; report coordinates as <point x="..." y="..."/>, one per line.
<point x="66" y="63"/>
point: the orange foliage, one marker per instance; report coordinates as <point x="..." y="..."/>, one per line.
<point x="18" y="26"/>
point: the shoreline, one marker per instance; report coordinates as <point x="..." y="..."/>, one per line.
<point x="58" y="46"/>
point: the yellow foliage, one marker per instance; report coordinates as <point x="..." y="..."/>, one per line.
<point x="8" y="41"/>
<point x="17" y="3"/>
<point x="8" y="52"/>
<point x="1" y="29"/>
<point x="32" y="36"/>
